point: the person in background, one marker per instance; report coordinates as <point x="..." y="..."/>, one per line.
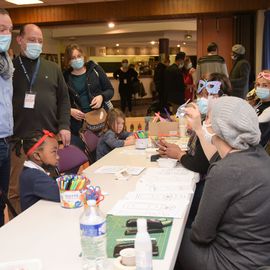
<point x="89" y="89"/>
<point x="211" y="63"/>
<point x="188" y="73"/>
<point x="239" y="75"/>
<point x="114" y="134"/>
<point x="35" y="183"/>
<point x="174" y="82"/>
<point x="126" y="77"/>
<point x="40" y="101"/>
<point x="231" y="228"/>
<point x="6" y="115"/>
<point x="262" y="88"/>
<point x="159" y="77"/>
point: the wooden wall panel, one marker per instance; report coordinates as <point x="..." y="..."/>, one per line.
<point x="129" y="10"/>
<point x="219" y="30"/>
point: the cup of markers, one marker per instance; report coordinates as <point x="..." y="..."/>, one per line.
<point x="141" y="139"/>
<point x="72" y="190"/>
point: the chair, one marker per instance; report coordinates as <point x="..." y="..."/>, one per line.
<point x="70" y="159"/>
<point x="90" y="140"/>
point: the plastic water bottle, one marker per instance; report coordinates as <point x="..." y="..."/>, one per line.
<point x="93" y="237"/>
<point x="143" y="246"/>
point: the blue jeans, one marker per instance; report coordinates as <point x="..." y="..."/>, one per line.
<point x="4" y="174"/>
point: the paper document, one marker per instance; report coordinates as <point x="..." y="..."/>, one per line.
<point x="132" y="170"/>
<point x="164" y="187"/>
<point x="148" y="208"/>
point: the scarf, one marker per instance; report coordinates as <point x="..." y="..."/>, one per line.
<point x="6" y="66"/>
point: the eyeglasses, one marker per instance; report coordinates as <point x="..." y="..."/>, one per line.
<point x="265" y="75"/>
<point x="212" y="87"/>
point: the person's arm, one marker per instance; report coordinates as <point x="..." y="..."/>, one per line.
<point x="116" y="74"/>
<point x="112" y="141"/>
<point x="63" y="103"/>
<point x="219" y="191"/>
<point x="194" y="120"/>
<point x="197" y="163"/>
<point x="224" y="69"/>
<point x="106" y="86"/>
<point x="46" y="187"/>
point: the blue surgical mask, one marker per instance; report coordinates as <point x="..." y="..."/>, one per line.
<point x="77" y="63"/>
<point x="5" y="41"/>
<point x="203" y="105"/>
<point x="33" y="50"/>
<point x="263" y="92"/>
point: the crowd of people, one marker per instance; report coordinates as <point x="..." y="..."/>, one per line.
<point x="228" y="224"/>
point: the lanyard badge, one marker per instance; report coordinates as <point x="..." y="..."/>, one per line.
<point x="30" y="96"/>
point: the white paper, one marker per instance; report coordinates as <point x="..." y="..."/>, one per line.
<point x="147" y="208"/>
<point x="164" y="187"/>
<point x="132" y="170"/>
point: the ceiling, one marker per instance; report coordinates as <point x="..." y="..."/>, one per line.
<point x="5" y="4"/>
<point x="135" y="34"/>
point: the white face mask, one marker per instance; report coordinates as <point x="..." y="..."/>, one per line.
<point x="234" y="57"/>
<point x="181" y="65"/>
<point x="207" y="135"/>
<point x="189" y="65"/>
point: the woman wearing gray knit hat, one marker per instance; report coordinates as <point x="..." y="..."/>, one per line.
<point x="231" y="228"/>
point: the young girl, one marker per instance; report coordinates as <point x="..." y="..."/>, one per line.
<point x="35" y="183"/>
<point x="115" y="134"/>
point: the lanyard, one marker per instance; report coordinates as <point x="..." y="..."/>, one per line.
<point x="34" y="74"/>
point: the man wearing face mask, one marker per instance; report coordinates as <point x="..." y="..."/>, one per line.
<point x="239" y="75"/>
<point x="174" y="82"/>
<point x="6" y="116"/>
<point x="40" y="100"/>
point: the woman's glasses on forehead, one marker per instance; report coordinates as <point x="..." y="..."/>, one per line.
<point x="265" y="75"/>
<point x="212" y="87"/>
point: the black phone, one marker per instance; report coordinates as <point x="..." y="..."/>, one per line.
<point x="154" y="158"/>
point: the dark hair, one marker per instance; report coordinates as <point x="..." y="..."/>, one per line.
<point x="212" y="47"/>
<point x="4" y="11"/>
<point x="68" y="53"/>
<point x="124" y="61"/>
<point x="112" y="116"/>
<point x="32" y="140"/>
<point x="180" y="56"/>
<point x="226" y="87"/>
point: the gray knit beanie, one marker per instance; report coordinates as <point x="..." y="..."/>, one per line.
<point x="235" y="122"/>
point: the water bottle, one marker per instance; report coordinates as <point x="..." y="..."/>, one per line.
<point x="182" y="121"/>
<point x="143" y="246"/>
<point x="93" y="237"/>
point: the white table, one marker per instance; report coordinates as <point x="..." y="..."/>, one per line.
<point x="51" y="233"/>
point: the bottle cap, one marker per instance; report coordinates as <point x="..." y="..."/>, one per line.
<point x="141" y="225"/>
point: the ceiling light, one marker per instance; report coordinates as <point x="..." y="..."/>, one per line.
<point x="111" y="24"/>
<point x="184" y="43"/>
<point x="153" y="42"/>
<point x="24" y="2"/>
<point x="178" y="45"/>
<point x="117" y="45"/>
<point x="188" y="36"/>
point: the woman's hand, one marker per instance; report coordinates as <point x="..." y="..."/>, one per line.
<point x="96" y="102"/>
<point x="77" y="114"/>
<point x="193" y="116"/>
<point x="170" y="150"/>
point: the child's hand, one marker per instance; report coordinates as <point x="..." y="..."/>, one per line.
<point x="130" y="140"/>
<point x="77" y="114"/>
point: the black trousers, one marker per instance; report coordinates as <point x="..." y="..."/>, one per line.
<point x="125" y="92"/>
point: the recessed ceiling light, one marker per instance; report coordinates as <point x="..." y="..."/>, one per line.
<point x="111" y="24"/>
<point x="24" y="2"/>
<point x="153" y="42"/>
<point x="188" y="36"/>
<point x="117" y="45"/>
<point x="178" y="45"/>
<point x="184" y="43"/>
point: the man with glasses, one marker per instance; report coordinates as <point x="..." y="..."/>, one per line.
<point x="6" y="116"/>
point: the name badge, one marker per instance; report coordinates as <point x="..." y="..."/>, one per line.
<point x="125" y="81"/>
<point x="29" y="100"/>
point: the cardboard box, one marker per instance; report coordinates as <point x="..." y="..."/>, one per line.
<point x="164" y="129"/>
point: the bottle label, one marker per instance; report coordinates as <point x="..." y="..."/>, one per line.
<point x="93" y="230"/>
